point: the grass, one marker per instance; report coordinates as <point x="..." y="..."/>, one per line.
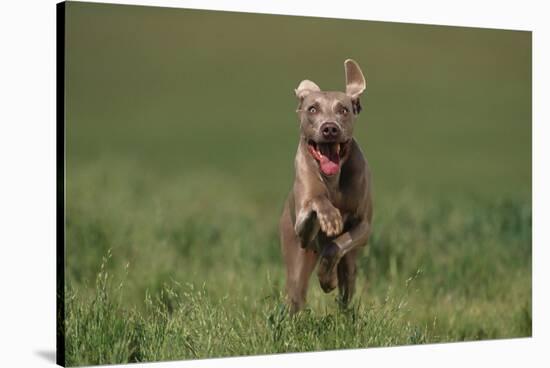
<point x="164" y="271"/>
<point x="180" y="141"/>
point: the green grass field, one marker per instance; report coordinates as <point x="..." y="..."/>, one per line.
<point x="181" y="133"/>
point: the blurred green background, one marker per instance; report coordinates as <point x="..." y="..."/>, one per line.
<point x="181" y="132"/>
<point x="447" y="109"/>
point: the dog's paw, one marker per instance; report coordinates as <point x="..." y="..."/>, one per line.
<point x="328" y="281"/>
<point x="330" y="221"/>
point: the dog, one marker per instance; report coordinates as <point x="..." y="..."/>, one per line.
<point x="327" y="215"/>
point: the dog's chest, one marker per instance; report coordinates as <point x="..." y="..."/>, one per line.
<point x="336" y="197"/>
<point x="340" y="201"/>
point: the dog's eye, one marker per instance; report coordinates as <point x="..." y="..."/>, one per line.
<point x="344" y="111"/>
<point x="312" y="109"/>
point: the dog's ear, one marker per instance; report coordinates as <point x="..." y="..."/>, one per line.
<point x="305" y="88"/>
<point x="355" y="83"/>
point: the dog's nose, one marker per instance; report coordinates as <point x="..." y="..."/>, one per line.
<point x="330" y="130"/>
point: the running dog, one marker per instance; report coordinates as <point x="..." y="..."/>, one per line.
<point x="328" y="213"/>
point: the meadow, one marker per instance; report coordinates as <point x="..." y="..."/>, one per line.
<point x="181" y="133"/>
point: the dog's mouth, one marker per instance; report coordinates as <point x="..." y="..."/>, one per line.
<point x="328" y="155"/>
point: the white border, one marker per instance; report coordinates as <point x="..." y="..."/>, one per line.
<point x="27" y="181"/>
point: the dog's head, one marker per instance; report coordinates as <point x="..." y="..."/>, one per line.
<point x="326" y="118"/>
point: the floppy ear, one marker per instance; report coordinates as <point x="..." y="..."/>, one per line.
<point x="305" y="88"/>
<point x="355" y="83"/>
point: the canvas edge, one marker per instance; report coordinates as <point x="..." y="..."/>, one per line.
<point x="60" y="183"/>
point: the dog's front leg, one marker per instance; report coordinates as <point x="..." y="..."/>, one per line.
<point x="330" y="219"/>
<point x="306" y="225"/>
<point x="337" y="248"/>
<point x="353" y="238"/>
<point x="316" y="214"/>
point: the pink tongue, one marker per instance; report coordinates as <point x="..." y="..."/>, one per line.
<point x="327" y="166"/>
